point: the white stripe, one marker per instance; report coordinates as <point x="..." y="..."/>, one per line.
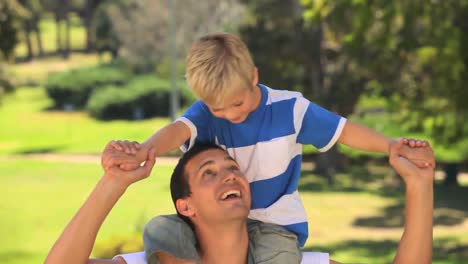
<point x="300" y="109"/>
<point x="267" y="159"/>
<point x="280" y="95"/>
<point x="287" y="210"/>
<point x="335" y="137"/>
<point x="193" y="132"/>
<point x="315" y="258"/>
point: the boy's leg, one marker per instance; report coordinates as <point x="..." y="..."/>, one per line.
<point x="273" y="243"/>
<point x="168" y="239"/>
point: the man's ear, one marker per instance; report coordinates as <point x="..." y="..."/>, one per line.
<point x="184" y="207"/>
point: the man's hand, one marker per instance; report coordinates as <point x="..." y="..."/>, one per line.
<point x="404" y="160"/>
<point x="128" y="177"/>
<point x="122" y="154"/>
<point x="419" y="152"/>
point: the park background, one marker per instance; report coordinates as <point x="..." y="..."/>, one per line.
<point x="75" y="74"/>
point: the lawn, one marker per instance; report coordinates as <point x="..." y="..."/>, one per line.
<point x="358" y="220"/>
<point x="360" y="225"/>
<point x="28" y="126"/>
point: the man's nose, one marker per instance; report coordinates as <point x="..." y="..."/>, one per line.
<point x="228" y="175"/>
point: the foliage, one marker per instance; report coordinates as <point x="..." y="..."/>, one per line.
<point x="114" y="246"/>
<point x="143" y="28"/>
<point x="73" y="88"/>
<point x="143" y="97"/>
<point x="11" y="14"/>
<point x="103" y="31"/>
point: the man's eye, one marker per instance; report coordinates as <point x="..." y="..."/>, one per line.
<point x="234" y="168"/>
<point x="238" y="104"/>
<point x="209" y="173"/>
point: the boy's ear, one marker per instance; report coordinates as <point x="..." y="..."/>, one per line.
<point x="255" y="77"/>
<point x="184" y="207"/>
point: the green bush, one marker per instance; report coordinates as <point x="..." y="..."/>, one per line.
<point x="119" y="245"/>
<point x="74" y="87"/>
<point x="143" y="97"/>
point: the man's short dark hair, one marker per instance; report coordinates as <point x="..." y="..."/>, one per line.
<point x="180" y="187"/>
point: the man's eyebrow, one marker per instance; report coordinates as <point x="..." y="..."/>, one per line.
<point x="230" y="158"/>
<point x="205" y="164"/>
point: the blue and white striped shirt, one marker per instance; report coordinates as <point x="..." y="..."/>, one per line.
<point x="268" y="149"/>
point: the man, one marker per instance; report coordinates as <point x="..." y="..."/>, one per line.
<point x="218" y="203"/>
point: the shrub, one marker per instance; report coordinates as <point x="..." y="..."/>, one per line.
<point x="74" y="87"/>
<point x="119" y="245"/>
<point x="143" y="97"/>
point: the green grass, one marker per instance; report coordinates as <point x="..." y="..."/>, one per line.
<point x="361" y="225"/>
<point x="41" y="197"/>
<point x="29" y="127"/>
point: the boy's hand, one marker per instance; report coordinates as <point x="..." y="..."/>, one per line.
<point x="126" y="146"/>
<point x="111" y="156"/>
<point x="409" y="171"/>
<point x="128" y="177"/>
<point x="418" y="152"/>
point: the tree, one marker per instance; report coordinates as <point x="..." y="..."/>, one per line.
<point x="142" y="27"/>
<point x="334" y="51"/>
<point x="11" y="15"/>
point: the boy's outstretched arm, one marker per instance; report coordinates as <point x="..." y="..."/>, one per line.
<point x="360" y="137"/>
<point x="129" y="155"/>
<point x="76" y="242"/>
<point x="416" y="243"/>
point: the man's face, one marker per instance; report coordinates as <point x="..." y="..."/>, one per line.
<point x="236" y="108"/>
<point x="220" y="191"/>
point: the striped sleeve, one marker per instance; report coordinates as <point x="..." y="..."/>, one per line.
<point x="320" y="127"/>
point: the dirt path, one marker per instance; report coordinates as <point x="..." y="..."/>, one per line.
<point x="80" y="158"/>
<point x="169" y="161"/>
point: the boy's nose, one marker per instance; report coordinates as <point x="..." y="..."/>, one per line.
<point x="230" y="115"/>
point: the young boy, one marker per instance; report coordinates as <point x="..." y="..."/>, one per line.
<point x="262" y="128"/>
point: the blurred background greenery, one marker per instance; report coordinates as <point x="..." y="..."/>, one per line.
<point x="75" y="74"/>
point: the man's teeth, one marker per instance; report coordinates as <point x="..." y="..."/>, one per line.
<point x="232" y="192"/>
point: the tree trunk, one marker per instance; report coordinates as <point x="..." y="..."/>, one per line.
<point x="329" y="163"/>
<point x="37" y="30"/>
<point x="58" y="35"/>
<point x="27" y="35"/>
<point x="87" y="22"/>
<point x="66" y="51"/>
<point x="451" y="174"/>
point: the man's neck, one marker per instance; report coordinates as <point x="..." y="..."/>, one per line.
<point x="223" y="243"/>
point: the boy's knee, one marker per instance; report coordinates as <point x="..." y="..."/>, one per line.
<point x="169" y="236"/>
<point x="274" y="244"/>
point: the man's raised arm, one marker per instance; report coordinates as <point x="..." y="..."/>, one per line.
<point x="76" y="242"/>
<point x="416" y="242"/>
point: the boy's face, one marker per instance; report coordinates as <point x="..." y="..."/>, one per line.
<point x="238" y="107"/>
<point x="219" y="189"/>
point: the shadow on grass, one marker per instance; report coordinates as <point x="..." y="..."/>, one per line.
<point x="43" y="150"/>
<point x="450" y="208"/>
<point x="445" y="250"/>
<point x="450" y="202"/>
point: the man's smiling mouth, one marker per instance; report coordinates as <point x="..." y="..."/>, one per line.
<point x="231" y="194"/>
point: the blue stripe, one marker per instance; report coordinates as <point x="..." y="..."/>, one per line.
<point x="266" y="192"/>
<point x="318" y="126"/>
<point x="301" y="230"/>
<point x="266" y="123"/>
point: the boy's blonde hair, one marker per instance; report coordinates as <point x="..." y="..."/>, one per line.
<point x="218" y="66"/>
